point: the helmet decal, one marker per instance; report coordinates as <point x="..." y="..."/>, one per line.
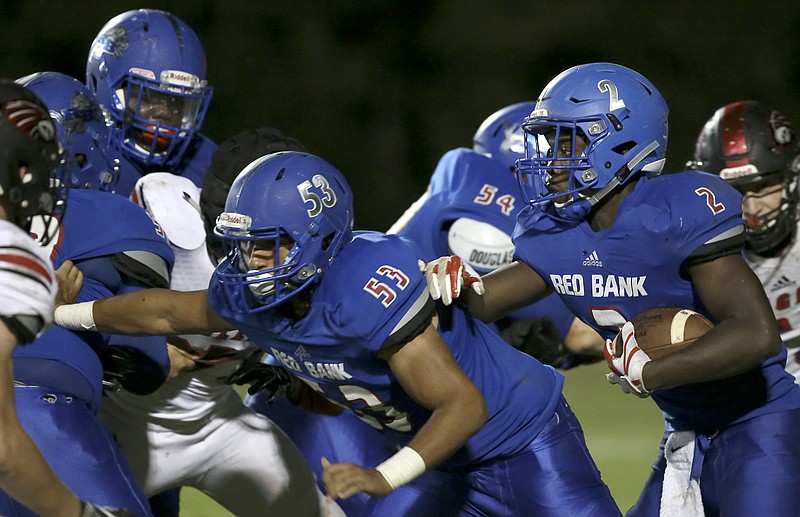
<point x="30" y="118"/>
<point x="113" y="42"/>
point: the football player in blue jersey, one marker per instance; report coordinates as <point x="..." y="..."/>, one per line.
<point x="59" y="378"/>
<point x="323" y="430"/>
<point x="29" y="159"/>
<point x="350" y="315"/>
<point x="756" y="149"/>
<point x="470" y="209"/>
<point x="598" y="136"/>
<point x="147" y="69"/>
<point x="194" y="431"/>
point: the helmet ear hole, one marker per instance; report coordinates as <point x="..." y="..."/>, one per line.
<point x="623" y="148"/>
<point x="326" y="242"/>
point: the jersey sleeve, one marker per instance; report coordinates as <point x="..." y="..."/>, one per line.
<point x="387" y="298"/>
<point x="125" y="230"/>
<point x="27" y="283"/>
<point x="705" y="217"/>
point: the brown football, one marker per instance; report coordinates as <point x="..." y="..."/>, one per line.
<point x="665" y="330"/>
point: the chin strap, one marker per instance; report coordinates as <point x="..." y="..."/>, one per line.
<point x="579" y="209"/>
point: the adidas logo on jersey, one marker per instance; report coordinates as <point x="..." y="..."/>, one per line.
<point x="302" y="353"/>
<point x="593" y="260"/>
<point x="781" y="283"/>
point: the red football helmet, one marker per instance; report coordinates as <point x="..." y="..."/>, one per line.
<point x="752" y="146"/>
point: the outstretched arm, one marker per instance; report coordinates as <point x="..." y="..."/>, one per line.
<point x="156" y="312"/>
<point x="492" y="296"/>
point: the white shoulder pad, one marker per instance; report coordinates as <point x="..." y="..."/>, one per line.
<point x="173" y="202"/>
<point x="482" y="245"/>
<point x="27" y="281"/>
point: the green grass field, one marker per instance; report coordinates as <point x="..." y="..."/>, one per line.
<point x="622" y="432"/>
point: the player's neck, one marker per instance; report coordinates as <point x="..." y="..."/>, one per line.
<point x="605" y="213"/>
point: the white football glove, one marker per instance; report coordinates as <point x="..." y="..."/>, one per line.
<point x="447" y="275"/>
<point x="626" y="371"/>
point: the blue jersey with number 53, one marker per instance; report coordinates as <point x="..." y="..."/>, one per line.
<point x="374" y="296"/>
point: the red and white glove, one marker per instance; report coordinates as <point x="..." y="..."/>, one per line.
<point x="626" y="371"/>
<point x="447" y="275"/>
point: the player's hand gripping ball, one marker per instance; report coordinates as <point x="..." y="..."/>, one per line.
<point x="652" y="334"/>
<point x="665" y="330"/>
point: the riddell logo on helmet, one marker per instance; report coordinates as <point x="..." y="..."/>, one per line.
<point x="178" y="78"/>
<point x="234" y="221"/>
<point x="738" y="172"/>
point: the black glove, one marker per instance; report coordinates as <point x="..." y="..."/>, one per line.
<point x="537" y="338"/>
<point x="130" y="368"/>
<point x="274" y="380"/>
<point x="92" y="510"/>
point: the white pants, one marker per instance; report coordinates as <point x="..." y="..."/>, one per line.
<point x="235" y="456"/>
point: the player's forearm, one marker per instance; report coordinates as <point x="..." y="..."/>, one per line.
<point x="725" y="351"/>
<point x="449" y="428"/>
<point x="26" y="476"/>
<point x="507" y="289"/>
<point x="157" y="312"/>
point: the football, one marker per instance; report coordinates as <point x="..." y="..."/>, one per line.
<point x="665" y="330"/>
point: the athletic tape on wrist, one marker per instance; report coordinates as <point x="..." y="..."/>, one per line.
<point x="75" y="316"/>
<point x="403" y="467"/>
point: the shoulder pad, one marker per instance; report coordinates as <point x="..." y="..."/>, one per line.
<point x="173" y="202"/>
<point x="480" y="244"/>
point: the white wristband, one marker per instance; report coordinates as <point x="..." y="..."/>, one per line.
<point x="75" y="316"/>
<point x="405" y="466"/>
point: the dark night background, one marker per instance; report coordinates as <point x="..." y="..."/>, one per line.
<point x="383" y="88"/>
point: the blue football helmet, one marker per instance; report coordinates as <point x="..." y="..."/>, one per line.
<point x="81" y="128"/>
<point x="500" y="136"/>
<point x="31" y="160"/>
<point x="288" y="198"/>
<point x="148" y="69"/>
<point x="602" y="124"/>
